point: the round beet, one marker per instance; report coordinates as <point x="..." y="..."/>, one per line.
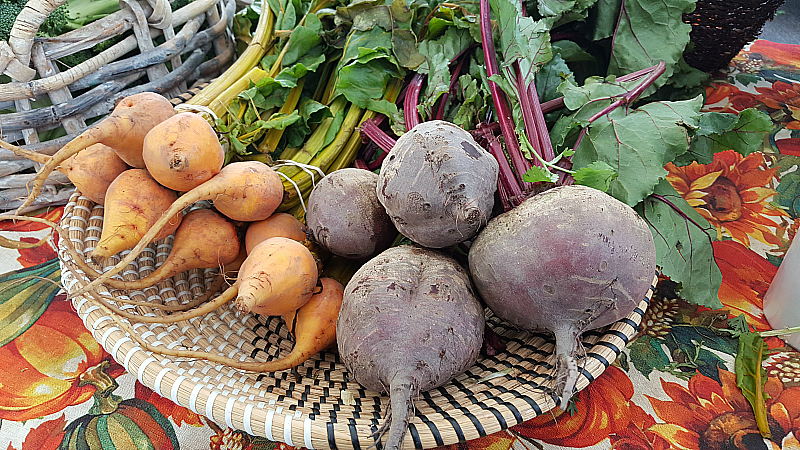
<point x="409" y="322"/>
<point x="567" y="260"/>
<point x="438" y="184"/>
<point x="345" y="216"/>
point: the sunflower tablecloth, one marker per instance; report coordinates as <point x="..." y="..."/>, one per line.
<point x="673" y="386"/>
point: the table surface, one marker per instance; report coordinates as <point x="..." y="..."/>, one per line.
<point x="673" y="386"/>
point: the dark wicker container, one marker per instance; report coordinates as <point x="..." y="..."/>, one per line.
<point x="720" y="28"/>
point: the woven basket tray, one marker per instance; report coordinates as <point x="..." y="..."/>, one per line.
<point x="156" y="50"/>
<point x="318" y="406"/>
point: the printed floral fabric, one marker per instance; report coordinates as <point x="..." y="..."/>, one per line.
<point x="674" y="386"/>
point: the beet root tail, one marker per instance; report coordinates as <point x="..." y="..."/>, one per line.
<point x="569" y="367"/>
<point x="401" y="408"/>
<point x="566" y="375"/>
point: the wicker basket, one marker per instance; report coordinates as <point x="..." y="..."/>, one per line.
<point x="195" y="45"/>
<point x="318" y="406"/>
<point x="721" y="28"/>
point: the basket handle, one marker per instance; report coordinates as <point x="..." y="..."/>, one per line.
<point x="10" y="65"/>
<point x="15" y="56"/>
<point x="161" y="17"/>
<point x="27" y="24"/>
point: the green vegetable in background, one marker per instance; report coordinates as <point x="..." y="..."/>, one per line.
<point x="9" y="10"/>
<point x="598" y="174"/>
<point x="612" y="63"/>
<point x="751" y="376"/>
<point x="648" y="32"/>
<point x="683" y="244"/>
<point x="637" y="144"/>
<point x="75" y="14"/>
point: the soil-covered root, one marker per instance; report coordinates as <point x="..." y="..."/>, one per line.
<point x="409" y="322"/>
<point x="438" y="184"/>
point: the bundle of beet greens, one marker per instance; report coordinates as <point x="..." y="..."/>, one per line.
<point x="559" y="91"/>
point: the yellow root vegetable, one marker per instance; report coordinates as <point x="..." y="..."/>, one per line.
<point x="313" y="326"/>
<point x="123" y="130"/>
<point x="183" y="152"/>
<point x="244" y="191"/>
<point x="204" y="240"/>
<point x="134" y="203"/>
<point x="91" y="171"/>
<point x="278" y="276"/>
<point x="278" y="224"/>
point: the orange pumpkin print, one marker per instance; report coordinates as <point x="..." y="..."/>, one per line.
<point x="42" y="367"/>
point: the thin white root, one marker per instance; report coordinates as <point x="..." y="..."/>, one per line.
<point x="569" y="383"/>
<point x="19" y="245"/>
<point x="73" y="253"/>
<point x="247" y="366"/>
<point x="216" y="286"/>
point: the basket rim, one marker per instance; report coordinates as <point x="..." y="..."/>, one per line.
<point x="313" y="412"/>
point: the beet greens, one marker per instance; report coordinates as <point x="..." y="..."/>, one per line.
<point x="560" y="92"/>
